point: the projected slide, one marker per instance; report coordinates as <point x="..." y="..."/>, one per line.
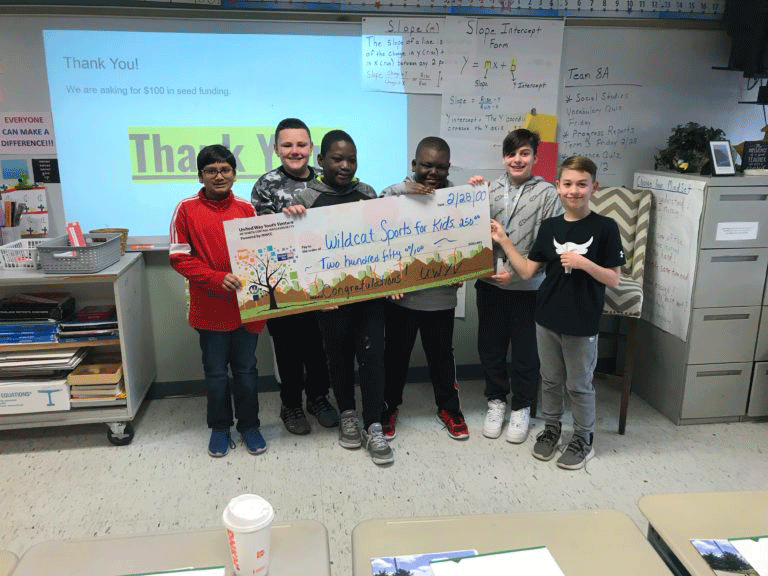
<point x="132" y="109"/>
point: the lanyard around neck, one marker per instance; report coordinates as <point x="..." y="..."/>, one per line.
<point x="515" y="200"/>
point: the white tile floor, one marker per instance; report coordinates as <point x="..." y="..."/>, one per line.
<point x="71" y="483"/>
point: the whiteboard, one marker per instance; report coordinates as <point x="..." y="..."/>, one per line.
<point x="624" y="89"/>
<point x="663" y="77"/>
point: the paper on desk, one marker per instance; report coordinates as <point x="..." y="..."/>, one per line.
<point x="745" y="556"/>
<point x="755" y="550"/>
<point x="414" y="563"/>
<point x="529" y="561"/>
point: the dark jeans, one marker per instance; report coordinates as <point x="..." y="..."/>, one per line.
<point x="436" y="328"/>
<point x="299" y="346"/>
<point x="363" y="323"/>
<point x="236" y="350"/>
<point x="506" y="317"/>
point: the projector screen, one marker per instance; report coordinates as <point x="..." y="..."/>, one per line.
<point x="132" y="109"/>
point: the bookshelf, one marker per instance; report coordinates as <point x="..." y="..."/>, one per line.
<point x="123" y="284"/>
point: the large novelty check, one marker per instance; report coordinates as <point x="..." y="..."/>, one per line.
<point x="335" y="255"/>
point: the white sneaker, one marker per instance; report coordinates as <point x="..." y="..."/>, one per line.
<point x="519" y="422"/>
<point x="494" y="418"/>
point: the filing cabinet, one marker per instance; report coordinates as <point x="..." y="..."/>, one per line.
<point x="720" y="372"/>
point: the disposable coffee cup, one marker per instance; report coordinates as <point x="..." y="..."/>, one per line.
<point x="248" y="520"/>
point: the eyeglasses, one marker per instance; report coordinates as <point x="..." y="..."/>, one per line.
<point x="213" y="172"/>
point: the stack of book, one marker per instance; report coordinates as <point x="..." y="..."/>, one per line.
<point x="37" y="306"/>
<point x="31" y="318"/>
<point x="90" y="323"/>
<point x="36" y="380"/>
<point x="27" y="331"/>
<point x="95" y="382"/>
<point x="50" y="363"/>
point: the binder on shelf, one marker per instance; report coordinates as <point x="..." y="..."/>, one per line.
<point x="69" y="326"/>
<point x="96" y="313"/>
<point x="37" y="306"/>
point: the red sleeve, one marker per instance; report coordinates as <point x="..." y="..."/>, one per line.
<point x="182" y="257"/>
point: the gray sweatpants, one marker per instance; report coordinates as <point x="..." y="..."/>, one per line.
<point x="568" y="362"/>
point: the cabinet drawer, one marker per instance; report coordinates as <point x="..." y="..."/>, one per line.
<point x="716" y="390"/>
<point x="761" y="350"/>
<point x="765" y="297"/>
<point x="730" y="277"/>
<point x="758" y="393"/>
<point x="723" y="335"/>
<point x="735" y="217"/>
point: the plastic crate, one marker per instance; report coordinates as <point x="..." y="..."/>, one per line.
<point x="58" y="257"/>
<point x="21" y="254"/>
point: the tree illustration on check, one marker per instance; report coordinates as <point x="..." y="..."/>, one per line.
<point x="264" y="276"/>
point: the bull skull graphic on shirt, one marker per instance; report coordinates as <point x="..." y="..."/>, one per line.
<point x="572" y="247"/>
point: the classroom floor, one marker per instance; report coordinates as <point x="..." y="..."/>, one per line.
<point x="71" y="483"/>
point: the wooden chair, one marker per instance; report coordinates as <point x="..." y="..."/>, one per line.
<point x="631" y="209"/>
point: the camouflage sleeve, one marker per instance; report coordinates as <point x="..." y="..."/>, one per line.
<point x="262" y="198"/>
<point x="306" y="198"/>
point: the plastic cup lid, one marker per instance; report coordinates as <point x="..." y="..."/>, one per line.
<point x="247" y="513"/>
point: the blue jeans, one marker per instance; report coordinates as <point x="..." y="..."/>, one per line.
<point x="235" y="350"/>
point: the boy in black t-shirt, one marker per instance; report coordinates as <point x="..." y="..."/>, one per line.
<point x="582" y="252"/>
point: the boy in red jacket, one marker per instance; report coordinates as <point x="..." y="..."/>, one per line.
<point x="199" y="253"/>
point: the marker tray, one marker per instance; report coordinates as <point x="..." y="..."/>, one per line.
<point x="58" y="257"/>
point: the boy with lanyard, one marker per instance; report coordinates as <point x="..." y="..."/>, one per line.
<point x="297" y="338"/>
<point x="363" y="321"/>
<point x="582" y="253"/>
<point x="505" y="302"/>
<point x="428" y="311"/>
<point x="198" y="252"/>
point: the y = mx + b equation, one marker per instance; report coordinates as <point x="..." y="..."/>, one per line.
<point x="488" y="65"/>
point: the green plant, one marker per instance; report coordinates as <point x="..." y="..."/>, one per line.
<point x="688" y="148"/>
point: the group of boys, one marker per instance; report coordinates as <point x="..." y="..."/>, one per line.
<point x="549" y="313"/>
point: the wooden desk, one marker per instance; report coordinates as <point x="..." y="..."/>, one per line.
<point x="674" y="519"/>
<point x="298" y="549"/>
<point x="7" y="562"/>
<point x="584" y="543"/>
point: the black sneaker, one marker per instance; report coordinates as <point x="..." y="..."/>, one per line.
<point x="576" y="454"/>
<point x="546" y="442"/>
<point x="326" y="414"/>
<point x="294" y="419"/>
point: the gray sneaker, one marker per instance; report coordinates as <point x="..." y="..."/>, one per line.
<point x="321" y="409"/>
<point x="377" y="445"/>
<point x="576" y="453"/>
<point x="546" y="443"/>
<point x="349" y="430"/>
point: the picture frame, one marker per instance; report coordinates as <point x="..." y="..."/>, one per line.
<point x="754" y="158"/>
<point x="722" y="157"/>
